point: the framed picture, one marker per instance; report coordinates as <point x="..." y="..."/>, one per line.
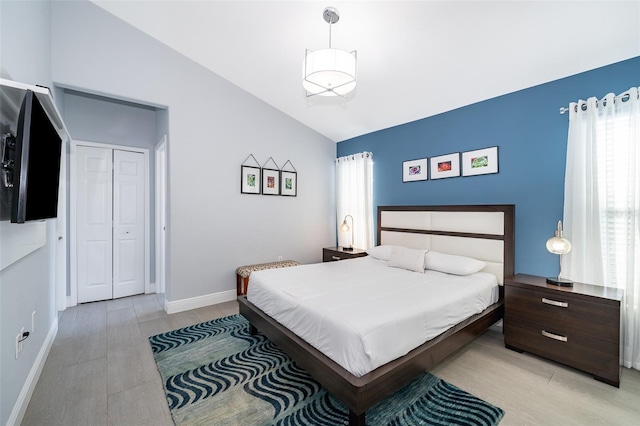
<point x="249" y="180"/>
<point x="445" y="166"/>
<point x="480" y="162"/>
<point x="414" y="170"/>
<point x="270" y="182"/>
<point x="288" y="183"/>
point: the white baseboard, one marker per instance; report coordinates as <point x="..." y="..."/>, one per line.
<point x="71" y="301"/>
<point x="199" y="301"/>
<point x="20" y="407"/>
<point x="148" y="289"/>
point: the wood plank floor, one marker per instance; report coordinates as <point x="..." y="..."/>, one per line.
<point x="100" y="371"/>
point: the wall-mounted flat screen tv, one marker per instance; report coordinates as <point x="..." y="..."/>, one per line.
<point x="36" y="174"/>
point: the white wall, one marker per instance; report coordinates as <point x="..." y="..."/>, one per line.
<point x="25" y="42"/>
<point x="213" y="127"/>
<point x="99" y="119"/>
<point x="28" y="284"/>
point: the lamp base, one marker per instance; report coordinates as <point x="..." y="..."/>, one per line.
<point x="347" y="248"/>
<point x="559" y="282"/>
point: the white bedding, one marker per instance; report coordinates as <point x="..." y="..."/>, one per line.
<point x="362" y="313"/>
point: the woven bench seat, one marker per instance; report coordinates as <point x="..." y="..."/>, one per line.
<point x="243" y="272"/>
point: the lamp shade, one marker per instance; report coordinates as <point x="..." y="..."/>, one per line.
<point x="345" y="226"/>
<point x="558" y="244"/>
<point x="329" y="72"/>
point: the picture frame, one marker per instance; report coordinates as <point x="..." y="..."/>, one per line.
<point x="250" y="180"/>
<point x="415" y="170"/>
<point x="288" y="183"/>
<point x="480" y="162"/>
<point x="270" y="181"/>
<point x="445" y="166"/>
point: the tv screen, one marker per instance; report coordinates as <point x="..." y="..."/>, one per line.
<point x="36" y="173"/>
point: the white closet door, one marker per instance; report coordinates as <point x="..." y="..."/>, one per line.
<point x="94" y="224"/>
<point x="128" y="223"/>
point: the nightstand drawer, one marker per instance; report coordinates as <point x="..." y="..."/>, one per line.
<point x="598" y="320"/>
<point x="330" y="256"/>
<point x="333" y="254"/>
<point x="573" y="349"/>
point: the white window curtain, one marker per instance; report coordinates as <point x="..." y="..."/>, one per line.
<point x="354" y="196"/>
<point x="602" y="203"/>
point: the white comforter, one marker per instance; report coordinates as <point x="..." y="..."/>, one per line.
<point x="362" y="313"/>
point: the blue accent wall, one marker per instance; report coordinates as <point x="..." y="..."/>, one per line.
<point x="531" y="136"/>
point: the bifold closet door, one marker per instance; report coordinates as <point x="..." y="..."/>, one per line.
<point x="94" y="236"/>
<point x="128" y="223"/>
<point x="109" y="223"/>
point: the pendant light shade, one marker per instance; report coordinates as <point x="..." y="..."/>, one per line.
<point x="329" y="72"/>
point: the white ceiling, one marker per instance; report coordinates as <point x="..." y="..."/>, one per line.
<point x="415" y="59"/>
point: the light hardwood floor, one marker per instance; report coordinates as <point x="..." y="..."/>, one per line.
<point x="101" y="371"/>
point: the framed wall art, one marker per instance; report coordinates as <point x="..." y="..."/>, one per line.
<point x="445" y="166"/>
<point x="270" y="178"/>
<point x="414" y="170"/>
<point x="480" y="162"/>
<point x="250" y="177"/>
<point x="270" y="181"/>
<point x="288" y="180"/>
<point x="250" y="180"/>
<point x="288" y="183"/>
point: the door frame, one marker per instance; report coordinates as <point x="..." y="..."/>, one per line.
<point x="61" y="234"/>
<point x="73" y="278"/>
<point x="161" y="213"/>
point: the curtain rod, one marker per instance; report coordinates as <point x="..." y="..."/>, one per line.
<point x="364" y="154"/>
<point x="624" y="97"/>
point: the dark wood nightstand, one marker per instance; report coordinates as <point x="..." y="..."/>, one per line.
<point x="577" y="326"/>
<point x="331" y="254"/>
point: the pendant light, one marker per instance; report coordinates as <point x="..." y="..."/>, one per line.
<point x="329" y="72"/>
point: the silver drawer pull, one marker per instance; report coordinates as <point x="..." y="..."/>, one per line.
<point x="335" y="257"/>
<point x="554" y="336"/>
<point x="555" y="303"/>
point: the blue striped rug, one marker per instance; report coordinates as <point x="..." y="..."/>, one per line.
<point x="216" y="373"/>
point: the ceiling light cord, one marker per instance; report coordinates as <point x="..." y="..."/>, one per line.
<point x="331" y="16"/>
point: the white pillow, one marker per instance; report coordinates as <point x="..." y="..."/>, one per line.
<point x="406" y="258"/>
<point x="452" y="264"/>
<point x="380" y="252"/>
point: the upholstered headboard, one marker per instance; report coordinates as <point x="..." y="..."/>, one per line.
<point x="484" y="232"/>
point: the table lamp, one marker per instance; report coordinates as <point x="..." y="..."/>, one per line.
<point x="559" y="245"/>
<point x="345" y="228"/>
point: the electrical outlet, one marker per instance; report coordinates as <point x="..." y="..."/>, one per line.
<point x="279" y="258"/>
<point x="33" y="322"/>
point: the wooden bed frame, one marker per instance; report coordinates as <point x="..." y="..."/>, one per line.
<point x="361" y="393"/>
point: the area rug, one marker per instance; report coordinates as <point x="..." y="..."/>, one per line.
<point x="216" y="373"/>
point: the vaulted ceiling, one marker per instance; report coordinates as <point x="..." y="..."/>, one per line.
<point x="415" y="58"/>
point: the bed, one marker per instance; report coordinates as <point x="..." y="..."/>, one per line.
<point x="481" y="232"/>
